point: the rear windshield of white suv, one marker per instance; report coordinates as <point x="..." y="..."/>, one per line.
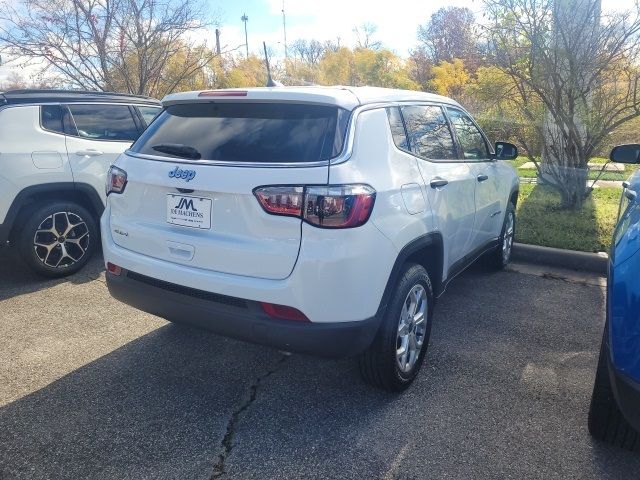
<point x="246" y="132"/>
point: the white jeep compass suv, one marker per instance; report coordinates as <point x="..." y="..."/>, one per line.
<point x="55" y="149"/>
<point x="323" y="220"/>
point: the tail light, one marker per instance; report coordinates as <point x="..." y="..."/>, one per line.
<point x="281" y="200"/>
<point x="116" y="180"/>
<point x="332" y="206"/>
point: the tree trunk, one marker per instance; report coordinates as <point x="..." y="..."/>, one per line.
<point x="574" y="188"/>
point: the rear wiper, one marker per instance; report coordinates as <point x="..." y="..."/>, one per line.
<point x="178" y="150"/>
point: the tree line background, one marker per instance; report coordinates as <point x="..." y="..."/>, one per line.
<point x="558" y="77"/>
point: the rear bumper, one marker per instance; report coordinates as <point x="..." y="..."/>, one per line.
<point x="239" y="318"/>
<point x="627" y="394"/>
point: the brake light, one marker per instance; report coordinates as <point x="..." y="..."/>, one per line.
<point x="333" y="206"/>
<point x="283" y="312"/>
<point x="116" y="180"/>
<point x="281" y="200"/>
<point x="340" y="206"/>
<point x="223" y="93"/>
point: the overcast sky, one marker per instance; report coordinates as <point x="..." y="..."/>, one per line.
<point x="397" y="21"/>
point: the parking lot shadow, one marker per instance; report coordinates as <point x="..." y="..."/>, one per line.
<point x="17" y="279"/>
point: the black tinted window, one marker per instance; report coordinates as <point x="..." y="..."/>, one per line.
<point x="56" y="118"/>
<point x="247" y="132"/>
<point x="471" y="140"/>
<point x="104" y="122"/>
<point x="397" y="128"/>
<point x="51" y="118"/>
<point x="429" y="134"/>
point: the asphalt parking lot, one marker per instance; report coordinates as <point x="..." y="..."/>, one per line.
<point x="90" y="388"/>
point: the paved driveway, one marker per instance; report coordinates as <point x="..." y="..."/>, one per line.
<point x="90" y="388"/>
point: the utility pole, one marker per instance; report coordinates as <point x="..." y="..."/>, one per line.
<point x="245" y="19"/>
<point x="218" y="41"/>
<point x="284" y="28"/>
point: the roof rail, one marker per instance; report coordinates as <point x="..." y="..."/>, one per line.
<point x="49" y="91"/>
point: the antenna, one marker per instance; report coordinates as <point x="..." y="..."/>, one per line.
<point x="270" y="82"/>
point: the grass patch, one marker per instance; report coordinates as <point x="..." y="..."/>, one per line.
<point x="541" y="222"/>
<point x="593" y="174"/>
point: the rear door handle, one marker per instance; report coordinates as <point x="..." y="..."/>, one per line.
<point x="482" y="177"/>
<point x="90" y="152"/>
<point x="438" y="182"/>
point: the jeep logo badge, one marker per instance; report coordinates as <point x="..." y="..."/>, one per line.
<point x="184" y="174"/>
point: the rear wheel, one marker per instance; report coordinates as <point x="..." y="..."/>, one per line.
<point x="606" y="422"/>
<point x="500" y="257"/>
<point x="58" y="239"/>
<point x="394" y="358"/>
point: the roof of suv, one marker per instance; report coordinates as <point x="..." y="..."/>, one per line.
<point x="345" y="97"/>
<point x="17" y="97"/>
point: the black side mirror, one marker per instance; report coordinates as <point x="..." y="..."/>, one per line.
<point x="626" y="153"/>
<point x="506" y="151"/>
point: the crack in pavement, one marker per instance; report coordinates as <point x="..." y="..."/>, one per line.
<point x="227" y="440"/>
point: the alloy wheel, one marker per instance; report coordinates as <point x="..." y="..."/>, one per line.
<point x="507" y="241"/>
<point x="61" y="239"/>
<point x="411" y="328"/>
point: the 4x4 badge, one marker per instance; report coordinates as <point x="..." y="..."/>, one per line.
<point x="180" y="173"/>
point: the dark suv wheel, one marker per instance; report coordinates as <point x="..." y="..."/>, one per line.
<point x="58" y="239"/>
<point x="606" y="421"/>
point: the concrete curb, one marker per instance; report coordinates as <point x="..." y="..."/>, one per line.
<point x="557" y="257"/>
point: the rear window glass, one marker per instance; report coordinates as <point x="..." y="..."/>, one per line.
<point x="247" y="132"/>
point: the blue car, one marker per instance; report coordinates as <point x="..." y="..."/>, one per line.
<point x="614" y="415"/>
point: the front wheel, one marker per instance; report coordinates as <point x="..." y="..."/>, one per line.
<point x="394" y="358"/>
<point x="58" y="239"/>
<point x="500" y="257"/>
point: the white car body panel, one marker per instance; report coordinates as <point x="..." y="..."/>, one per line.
<point x="29" y="155"/>
<point x="90" y="160"/>
<point x="329" y="275"/>
<point x="243" y="239"/>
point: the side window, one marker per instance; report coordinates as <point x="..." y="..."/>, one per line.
<point x="429" y="134"/>
<point x="148" y="114"/>
<point x="104" y="122"/>
<point x="471" y="140"/>
<point x="397" y="128"/>
<point x="56" y="118"/>
<point x="51" y="118"/>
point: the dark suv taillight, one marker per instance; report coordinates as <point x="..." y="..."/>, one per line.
<point x="331" y="206"/>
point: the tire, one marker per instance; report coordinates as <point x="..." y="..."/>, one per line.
<point x="380" y="364"/>
<point x="500" y="257"/>
<point x="58" y="239"/>
<point x="606" y="422"/>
